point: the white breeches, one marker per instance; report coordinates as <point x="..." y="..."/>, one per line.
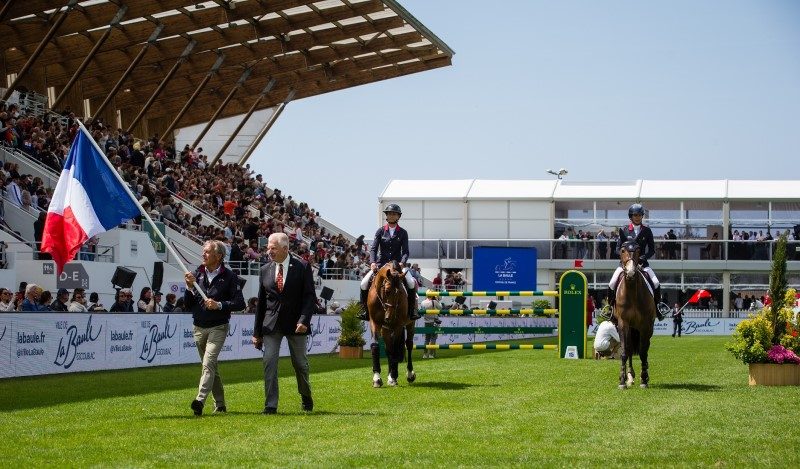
<point x="410" y="282"/>
<point x="614" y="278"/>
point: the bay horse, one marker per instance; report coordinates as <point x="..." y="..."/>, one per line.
<point x="387" y="303"/>
<point x="636" y="314"/>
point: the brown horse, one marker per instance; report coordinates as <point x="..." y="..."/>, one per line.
<point x="388" y="316"/>
<point x="636" y="315"/>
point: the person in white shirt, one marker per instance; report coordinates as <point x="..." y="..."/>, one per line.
<point x="14" y="192"/>
<point x="6" y="300"/>
<point x="78" y="303"/>
<point x="606" y="340"/>
<point x="431" y="302"/>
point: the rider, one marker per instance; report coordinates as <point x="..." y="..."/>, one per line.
<point x="392" y="242"/>
<point x="642" y="235"/>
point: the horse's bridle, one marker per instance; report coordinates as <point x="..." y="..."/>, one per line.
<point x="631" y="259"/>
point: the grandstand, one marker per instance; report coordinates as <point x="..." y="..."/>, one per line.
<point x="179" y="94"/>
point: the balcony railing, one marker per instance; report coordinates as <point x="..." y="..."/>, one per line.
<point x="679" y="250"/>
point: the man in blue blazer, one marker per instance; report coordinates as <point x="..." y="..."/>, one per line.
<point x="286" y="302"/>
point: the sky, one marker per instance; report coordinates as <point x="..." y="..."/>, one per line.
<point x="611" y="91"/>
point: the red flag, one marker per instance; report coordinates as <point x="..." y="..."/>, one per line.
<point x="578" y="263"/>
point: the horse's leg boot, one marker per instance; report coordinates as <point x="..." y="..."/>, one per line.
<point x="363" y="314"/>
<point x="657" y="298"/>
<point x="413" y="314"/>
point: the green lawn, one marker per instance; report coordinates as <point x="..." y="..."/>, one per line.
<point x="467" y="408"/>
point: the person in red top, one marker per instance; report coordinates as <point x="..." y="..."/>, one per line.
<point x="589" y="310"/>
<point x="229" y="205"/>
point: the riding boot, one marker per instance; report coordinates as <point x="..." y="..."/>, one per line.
<point x="363" y="314"/>
<point x="657" y="298"/>
<point x="413" y="314"/>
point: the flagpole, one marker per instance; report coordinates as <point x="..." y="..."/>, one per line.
<point x="141" y="209"/>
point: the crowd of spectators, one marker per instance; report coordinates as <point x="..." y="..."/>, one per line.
<point x="244" y="210"/>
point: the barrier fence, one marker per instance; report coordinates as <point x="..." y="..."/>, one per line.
<point x="572" y="325"/>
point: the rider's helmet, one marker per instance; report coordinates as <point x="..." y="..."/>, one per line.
<point x="393" y="208"/>
<point x="635" y="209"/>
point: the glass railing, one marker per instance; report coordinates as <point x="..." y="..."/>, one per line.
<point x="552" y="249"/>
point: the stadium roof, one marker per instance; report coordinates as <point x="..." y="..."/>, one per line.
<point x="549" y="189"/>
<point x="254" y="54"/>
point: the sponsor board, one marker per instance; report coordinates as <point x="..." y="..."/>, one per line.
<point x="5" y="348"/>
<point x="66" y="342"/>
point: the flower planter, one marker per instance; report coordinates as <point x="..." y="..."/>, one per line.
<point x="773" y="374"/>
<point x="350" y="352"/>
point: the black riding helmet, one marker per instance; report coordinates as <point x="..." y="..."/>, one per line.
<point x="393" y="208"/>
<point x="635" y="209"/>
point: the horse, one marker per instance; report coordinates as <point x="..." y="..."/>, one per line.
<point x="387" y="304"/>
<point x="636" y="314"/>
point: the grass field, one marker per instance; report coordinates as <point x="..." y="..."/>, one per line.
<point x="498" y="409"/>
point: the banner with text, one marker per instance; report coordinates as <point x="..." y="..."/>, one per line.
<point x="498" y="268"/>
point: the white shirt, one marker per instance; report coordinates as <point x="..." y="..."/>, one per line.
<point x="285" y="265"/>
<point x="212" y="274"/>
<point x="14" y="194"/>
<point x="428" y="303"/>
<point x="605" y="332"/>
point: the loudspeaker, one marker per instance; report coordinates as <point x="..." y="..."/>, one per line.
<point x="123" y="277"/>
<point x="326" y="293"/>
<point x="158" y="275"/>
<point x="492" y="305"/>
<point x="460" y="299"/>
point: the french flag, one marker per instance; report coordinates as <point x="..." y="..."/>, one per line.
<point x="89" y="199"/>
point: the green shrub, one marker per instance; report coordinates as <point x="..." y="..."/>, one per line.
<point x="351" y="332"/>
<point x="544" y="304"/>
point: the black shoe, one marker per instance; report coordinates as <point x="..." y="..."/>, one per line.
<point x="197" y="407"/>
<point x="308" y="404"/>
<point x="221" y="410"/>
<point x="269" y="411"/>
<point x="363" y="316"/>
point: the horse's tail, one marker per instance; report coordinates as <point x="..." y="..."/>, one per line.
<point x="635" y="339"/>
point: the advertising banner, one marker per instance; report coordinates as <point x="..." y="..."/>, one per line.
<point x="40" y="344"/>
<point x="497" y="268"/>
<point x="5" y="347"/>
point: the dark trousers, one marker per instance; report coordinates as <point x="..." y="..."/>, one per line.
<point x="297" y="350"/>
<point x="676" y="328"/>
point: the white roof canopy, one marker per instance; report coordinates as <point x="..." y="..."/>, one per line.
<point x="548" y="189"/>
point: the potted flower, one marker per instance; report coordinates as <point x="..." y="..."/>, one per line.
<point x="351" y="335"/>
<point x="767" y="341"/>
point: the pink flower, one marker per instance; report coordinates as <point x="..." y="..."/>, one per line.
<point x="780" y="354"/>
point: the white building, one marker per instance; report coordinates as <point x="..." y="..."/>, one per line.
<point x="447" y="218"/>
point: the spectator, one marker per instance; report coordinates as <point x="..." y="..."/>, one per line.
<point x="31" y="302"/>
<point x="78" y="302"/>
<point x="61" y="303"/>
<point x="20" y="295"/>
<point x="124" y="303"/>
<point x="46" y="299"/>
<point x="146" y="303"/>
<point x="95" y="305"/>
<point x="169" y="307"/>
<point x="431" y="302"/>
<point x="6" y="300"/>
<point x="437" y="282"/>
<point x="252" y="303"/>
<point x="336" y="308"/>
